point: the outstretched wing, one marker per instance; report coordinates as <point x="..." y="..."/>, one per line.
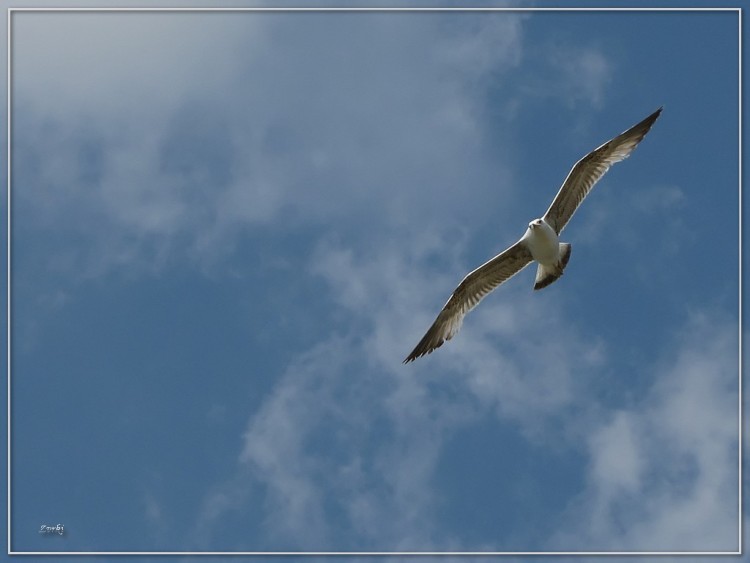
<point x="469" y="293"/>
<point x="590" y="168"/>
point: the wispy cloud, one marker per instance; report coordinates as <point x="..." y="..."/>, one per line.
<point x="663" y="473"/>
<point x="568" y="73"/>
<point x="585" y="74"/>
<point x="167" y="166"/>
<point x="645" y="205"/>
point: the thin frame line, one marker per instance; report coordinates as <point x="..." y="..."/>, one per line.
<point x="365" y="553"/>
<point x="377" y="9"/>
<point x="10" y="12"/>
<point x="8" y="273"/>
<point x="739" y="257"/>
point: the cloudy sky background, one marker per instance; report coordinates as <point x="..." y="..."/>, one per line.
<point x="230" y="229"/>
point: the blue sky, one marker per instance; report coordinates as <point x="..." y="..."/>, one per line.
<point x="230" y="229"/>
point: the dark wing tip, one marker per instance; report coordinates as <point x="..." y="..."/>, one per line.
<point x="423" y="348"/>
<point x="646" y="124"/>
<point x="639" y="130"/>
<point x="411" y="357"/>
<point x="432" y="340"/>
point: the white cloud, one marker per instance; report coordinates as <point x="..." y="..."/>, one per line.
<point x="587" y="73"/>
<point x="178" y="133"/>
<point x="126" y="65"/>
<point x="617" y="465"/>
<point x="567" y="73"/>
<point x="663" y="473"/>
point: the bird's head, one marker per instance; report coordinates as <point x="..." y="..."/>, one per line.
<point x="535" y="223"/>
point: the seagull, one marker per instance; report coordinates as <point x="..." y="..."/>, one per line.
<point x="539" y="243"/>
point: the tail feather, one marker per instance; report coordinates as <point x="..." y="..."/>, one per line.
<point x="545" y="275"/>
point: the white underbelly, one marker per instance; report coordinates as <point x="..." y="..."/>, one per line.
<point x="544" y="246"/>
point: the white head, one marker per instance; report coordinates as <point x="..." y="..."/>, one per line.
<point x="535" y="224"/>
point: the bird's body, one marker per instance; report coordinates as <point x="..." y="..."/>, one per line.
<point x="546" y="249"/>
<point x="540" y="242"/>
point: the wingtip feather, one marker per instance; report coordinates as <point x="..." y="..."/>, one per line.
<point x="422" y="350"/>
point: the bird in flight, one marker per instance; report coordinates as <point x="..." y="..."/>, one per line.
<point x="540" y="242"/>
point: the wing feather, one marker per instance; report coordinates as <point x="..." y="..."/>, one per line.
<point x="590" y="169"/>
<point x="474" y="287"/>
